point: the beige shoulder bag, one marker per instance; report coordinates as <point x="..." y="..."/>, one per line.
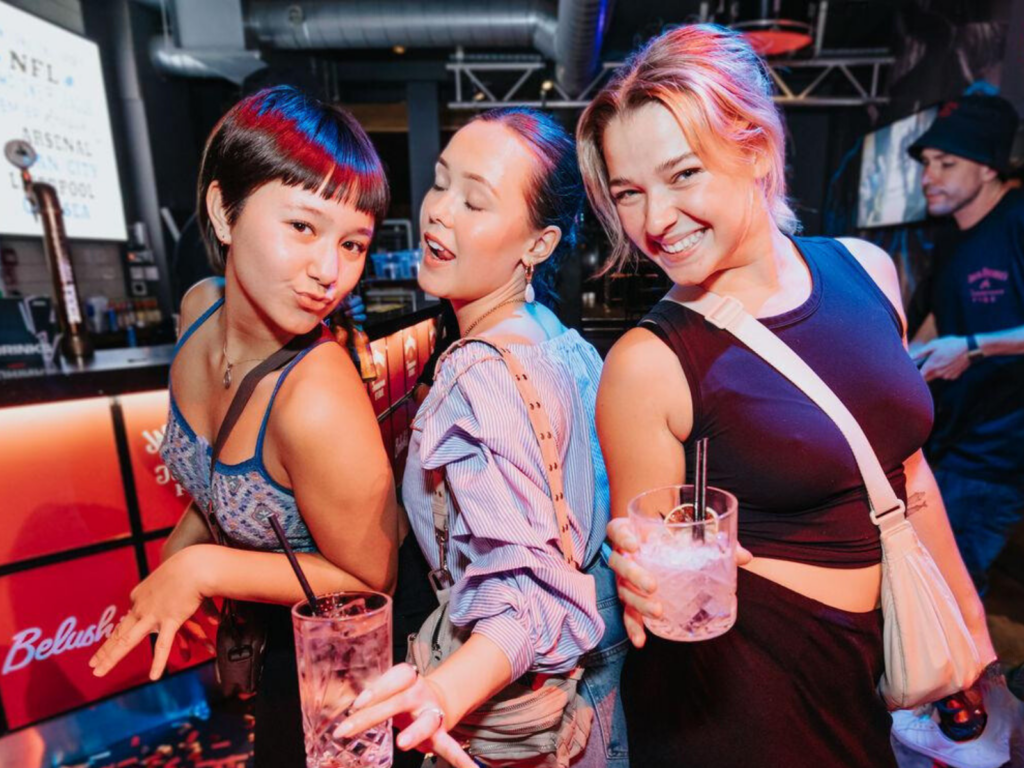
<point x="929" y="652"/>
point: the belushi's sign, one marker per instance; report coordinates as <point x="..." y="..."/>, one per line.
<point x="52" y="620"/>
<point x="30" y="645"/>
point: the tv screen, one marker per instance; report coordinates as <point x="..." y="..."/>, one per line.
<point x="890" y="179"/>
<point x="52" y="96"/>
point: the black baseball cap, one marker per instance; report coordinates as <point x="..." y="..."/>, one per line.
<point x="978" y="128"/>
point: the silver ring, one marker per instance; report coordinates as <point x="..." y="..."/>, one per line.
<point x="435" y="710"/>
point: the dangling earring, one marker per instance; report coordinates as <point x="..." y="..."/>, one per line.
<point x="530" y="294"/>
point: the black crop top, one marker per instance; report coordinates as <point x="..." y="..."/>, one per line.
<point x="801" y="497"/>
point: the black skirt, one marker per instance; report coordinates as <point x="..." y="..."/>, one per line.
<point x="278" y="727"/>
<point x="792" y="684"/>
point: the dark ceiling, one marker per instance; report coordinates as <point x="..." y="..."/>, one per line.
<point x="851" y="23"/>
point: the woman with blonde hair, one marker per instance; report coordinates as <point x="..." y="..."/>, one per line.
<point x="683" y="158"/>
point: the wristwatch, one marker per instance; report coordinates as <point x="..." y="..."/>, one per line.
<point x="973" y="350"/>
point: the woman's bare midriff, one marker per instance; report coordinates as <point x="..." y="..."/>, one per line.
<point x="857" y="590"/>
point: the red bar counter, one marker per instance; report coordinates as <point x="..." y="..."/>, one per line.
<point x="87" y="504"/>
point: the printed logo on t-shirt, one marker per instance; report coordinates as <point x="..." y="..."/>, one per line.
<point x="987" y="285"/>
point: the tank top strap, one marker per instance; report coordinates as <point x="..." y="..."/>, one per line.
<point x="277" y="388"/>
<point x="198" y="322"/>
<point x="666" y="320"/>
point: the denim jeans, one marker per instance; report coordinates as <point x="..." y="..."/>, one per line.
<point x="982" y="515"/>
<point x="607" y="746"/>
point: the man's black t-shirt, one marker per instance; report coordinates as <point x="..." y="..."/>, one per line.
<point x="979" y="288"/>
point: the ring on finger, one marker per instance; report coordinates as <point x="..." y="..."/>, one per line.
<point x="431" y="710"/>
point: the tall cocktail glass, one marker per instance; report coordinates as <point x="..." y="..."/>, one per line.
<point x="340" y="651"/>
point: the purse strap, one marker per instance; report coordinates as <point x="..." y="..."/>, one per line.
<point x="278" y="360"/>
<point x="728" y="314"/>
<point x="441" y="576"/>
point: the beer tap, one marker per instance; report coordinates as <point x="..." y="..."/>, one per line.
<point x="75" y="342"/>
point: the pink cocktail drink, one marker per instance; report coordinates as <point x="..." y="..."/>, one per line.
<point x="339" y="653"/>
<point x="693" y="560"/>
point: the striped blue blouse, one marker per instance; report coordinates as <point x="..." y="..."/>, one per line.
<point x="511" y="584"/>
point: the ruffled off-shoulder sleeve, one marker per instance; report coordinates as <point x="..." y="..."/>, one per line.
<point x="516" y="589"/>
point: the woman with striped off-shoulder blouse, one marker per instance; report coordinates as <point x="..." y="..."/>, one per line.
<point x="501" y="213"/>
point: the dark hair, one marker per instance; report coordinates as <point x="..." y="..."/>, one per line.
<point x="281" y="134"/>
<point x="556" y="195"/>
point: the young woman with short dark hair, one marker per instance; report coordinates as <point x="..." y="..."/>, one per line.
<point x="290" y="192"/>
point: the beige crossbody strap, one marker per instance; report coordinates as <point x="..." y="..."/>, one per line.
<point x="730" y="315"/>
<point x="548" y="451"/>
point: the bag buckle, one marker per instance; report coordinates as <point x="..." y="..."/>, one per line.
<point x="237" y="653"/>
<point x="725" y="313"/>
<point x="877" y="518"/>
<point x="440" y="579"/>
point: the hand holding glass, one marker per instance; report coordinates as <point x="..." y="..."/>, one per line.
<point x="692" y="559"/>
<point x="341" y="651"/>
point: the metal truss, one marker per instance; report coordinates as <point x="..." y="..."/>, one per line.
<point x="861" y="73"/>
<point x="853" y="80"/>
<point x="486" y="84"/>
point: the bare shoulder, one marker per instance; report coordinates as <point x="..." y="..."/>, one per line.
<point x="531" y="324"/>
<point x="199" y="298"/>
<point x="642" y="372"/>
<point x="549" y="321"/>
<point x="644" y="413"/>
<point x="638" y="353"/>
<point x="323" y="396"/>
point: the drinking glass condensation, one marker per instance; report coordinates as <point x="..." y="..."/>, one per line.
<point x="339" y="653"/>
<point x="693" y="562"/>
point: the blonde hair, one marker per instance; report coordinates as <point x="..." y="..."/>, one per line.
<point x="719" y="92"/>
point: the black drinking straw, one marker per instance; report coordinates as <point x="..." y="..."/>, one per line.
<point x="279" y="531"/>
<point x="700" y="481"/>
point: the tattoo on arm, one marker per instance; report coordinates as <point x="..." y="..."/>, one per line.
<point x="916" y="502"/>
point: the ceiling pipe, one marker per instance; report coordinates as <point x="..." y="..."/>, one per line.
<point x="572" y="38"/>
<point x="234" y="66"/>
<point x="309" y="24"/>
<point x="581" y="28"/>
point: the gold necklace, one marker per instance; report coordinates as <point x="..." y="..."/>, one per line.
<point x="230" y="364"/>
<point x="490" y="311"/>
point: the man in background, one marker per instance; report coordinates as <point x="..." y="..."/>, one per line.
<point x="971" y="348"/>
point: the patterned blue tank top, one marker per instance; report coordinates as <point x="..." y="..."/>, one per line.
<point x="244" y="494"/>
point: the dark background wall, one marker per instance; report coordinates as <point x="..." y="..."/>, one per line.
<point x="941" y="46"/>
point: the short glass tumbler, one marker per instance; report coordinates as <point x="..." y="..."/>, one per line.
<point x="693" y="560"/>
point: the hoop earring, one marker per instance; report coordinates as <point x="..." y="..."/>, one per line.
<point x="529" y="295"/>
